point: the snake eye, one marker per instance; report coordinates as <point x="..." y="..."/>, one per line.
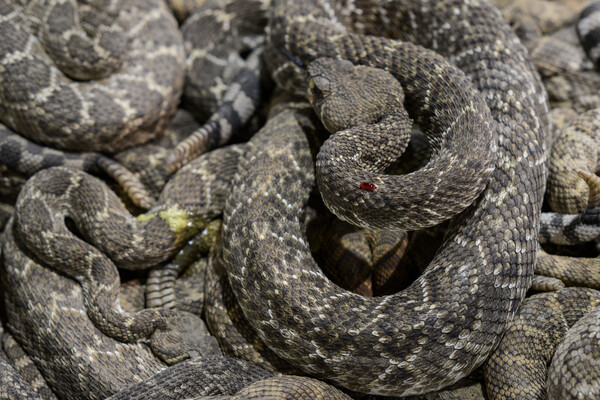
<point x="321" y="83"/>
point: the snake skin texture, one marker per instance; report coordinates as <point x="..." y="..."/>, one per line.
<point x="235" y="108"/>
<point x="128" y="107"/>
<point x="148" y="162"/>
<point x="13" y="386"/>
<point x="483" y="133"/>
<point x="574" y="228"/>
<point x="26" y="157"/>
<point x="222" y="87"/>
<point x="561" y="117"/>
<point x="215" y="36"/>
<point x="290" y="388"/>
<point x="21" y="158"/>
<point x="187" y="204"/>
<point x="48" y="320"/>
<point x="574" y="371"/>
<point x="374" y="135"/>
<point x="81" y="78"/>
<point x="206" y="376"/>
<point x="227" y="322"/>
<point x="533" y="18"/>
<point x="552" y="56"/>
<point x="588" y="28"/>
<point x="223" y="84"/>
<point x="542" y="283"/>
<point x="363" y="261"/>
<point x="25" y="367"/>
<point x="572" y="271"/>
<point x="124" y="361"/>
<point x="517" y="369"/>
<point x="575" y="149"/>
<point x="576" y="90"/>
<point x="161" y="281"/>
<point x="439" y="343"/>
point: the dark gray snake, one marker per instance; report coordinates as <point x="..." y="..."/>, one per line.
<point x="427" y="336"/>
<point x="557" y="330"/>
<point x="489" y="254"/>
<point x="110" y="113"/>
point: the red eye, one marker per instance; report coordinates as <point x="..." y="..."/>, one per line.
<point x="368" y="186"/>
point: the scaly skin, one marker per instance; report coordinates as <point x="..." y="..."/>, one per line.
<point x="518" y="367"/>
<point x="446" y="323"/>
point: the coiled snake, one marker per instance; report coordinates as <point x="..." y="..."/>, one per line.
<point x="126" y="108"/>
<point x="446" y="323"/>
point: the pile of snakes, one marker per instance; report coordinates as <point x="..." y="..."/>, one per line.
<point x="299" y="199"/>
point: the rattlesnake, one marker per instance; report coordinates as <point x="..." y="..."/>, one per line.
<point x="517" y="369"/>
<point x="575" y="149"/>
<point x="61" y="356"/>
<point x="135" y="102"/>
<point x="213" y="377"/>
<point x="74" y="185"/>
<point x="22" y="158"/>
<point x="513" y="208"/>
<point x="86" y="78"/>
<point x="376" y="134"/>
<point x="186" y="204"/>
<point x="130" y="106"/>
<point x="111" y="365"/>
<point x="222" y="86"/>
<point x="509" y="284"/>
<point x="587" y="28"/>
<point x="223" y="42"/>
<point x="574" y="369"/>
<point x="576" y="90"/>
<point x="12" y="385"/>
<point x="429" y="335"/>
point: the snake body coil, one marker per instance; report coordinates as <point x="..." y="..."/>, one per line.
<point x="446" y="323"/>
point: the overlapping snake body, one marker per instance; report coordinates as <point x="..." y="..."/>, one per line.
<point x="128" y="107"/>
<point x="538" y="357"/>
<point x="588" y="28"/>
<point x="87" y="316"/>
<point x="446" y="323"/>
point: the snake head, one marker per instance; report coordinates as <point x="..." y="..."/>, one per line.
<point x="346" y="95"/>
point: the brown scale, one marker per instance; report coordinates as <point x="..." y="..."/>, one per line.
<point x="513" y="197"/>
<point x="575" y="149"/>
<point x="363" y="261"/>
<point x="576" y="90"/>
<point x="518" y="368"/>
